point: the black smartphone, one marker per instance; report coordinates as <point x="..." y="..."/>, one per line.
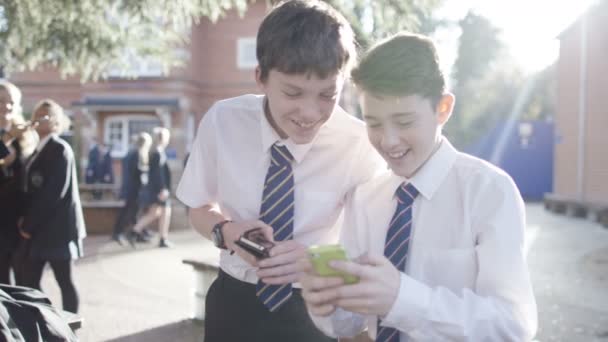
<point x="255" y="243"/>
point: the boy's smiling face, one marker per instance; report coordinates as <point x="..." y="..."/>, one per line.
<point x="405" y="130"/>
<point x="300" y="104"/>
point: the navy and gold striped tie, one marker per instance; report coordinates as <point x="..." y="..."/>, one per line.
<point x="396" y="245"/>
<point x="278" y="212"/>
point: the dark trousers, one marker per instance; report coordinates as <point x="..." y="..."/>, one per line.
<point x="6" y="263"/>
<point x="13" y="260"/>
<point x="62" y="269"/>
<point x="126" y="216"/>
<point x="234" y="313"/>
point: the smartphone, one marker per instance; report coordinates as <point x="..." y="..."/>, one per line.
<point x="320" y="256"/>
<point x="255" y="243"/>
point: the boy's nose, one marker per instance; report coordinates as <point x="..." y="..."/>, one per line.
<point x="310" y="110"/>
<point x="389" y="139"/>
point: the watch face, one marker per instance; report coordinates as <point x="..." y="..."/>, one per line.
<point x="217" y="238"/>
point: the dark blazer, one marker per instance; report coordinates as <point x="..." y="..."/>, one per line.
<point x="159" y="179"/>
<point x="11" y="197"/>
<point x="92" y="165"/>
<point x="99" y="167"/>
<point x="3" y="150"/>
<point x="53" y="213"/>
<point x="131" y="175"/>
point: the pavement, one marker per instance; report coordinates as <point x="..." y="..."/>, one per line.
<point x="145" y="294"/>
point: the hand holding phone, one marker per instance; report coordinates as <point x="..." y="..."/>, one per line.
<point x="255" y="243"/>
<point x="320" y="256"/>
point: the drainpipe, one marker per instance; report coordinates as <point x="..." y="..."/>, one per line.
<point x="582" y="111"/>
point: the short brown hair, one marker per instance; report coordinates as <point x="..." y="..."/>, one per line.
<point x="404" y="64"/>
<point x="304" y="36"/>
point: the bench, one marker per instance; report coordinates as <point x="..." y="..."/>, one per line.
<point x="100" y="215"/>
<point x="593" y="210"/>
<point x="205" y="271"/>
<point x="99" y="191"/>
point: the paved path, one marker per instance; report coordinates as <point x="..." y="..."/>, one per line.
<point x="569" y="266"/>
<point x="144" y="295"/>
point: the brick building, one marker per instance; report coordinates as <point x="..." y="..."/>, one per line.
<point x="220" y="63"/>
<point x="581" y="159"/>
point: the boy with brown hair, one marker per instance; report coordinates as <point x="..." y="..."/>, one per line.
<point x="438" y="240"/>
<point x="284" y="161"/>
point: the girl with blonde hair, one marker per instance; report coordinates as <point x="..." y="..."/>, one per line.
<point x="11" y="166"/>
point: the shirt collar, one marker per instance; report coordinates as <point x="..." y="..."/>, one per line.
<point x="270" y="136"/>
<point x="433" y="172"/>
<point x="43" y="142"/>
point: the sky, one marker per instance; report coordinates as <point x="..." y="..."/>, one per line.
<point x="529" y="27"/>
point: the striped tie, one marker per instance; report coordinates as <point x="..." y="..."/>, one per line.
<point x="396" y="246"/>
<point x="277" y="211"/>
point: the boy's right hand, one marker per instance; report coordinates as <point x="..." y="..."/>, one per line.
<point x="317" y="299"/>
<point x="232" y="231"/>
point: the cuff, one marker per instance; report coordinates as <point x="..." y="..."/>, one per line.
<point x="410" y="307"/>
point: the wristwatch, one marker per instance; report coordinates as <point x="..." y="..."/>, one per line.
<point x="217" y="236"/>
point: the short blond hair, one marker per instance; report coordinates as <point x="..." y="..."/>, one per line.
<point x="15" y="94"/>
<point x="56" y="115"/>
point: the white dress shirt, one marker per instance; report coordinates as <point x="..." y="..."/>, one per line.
<point x="466" y="276"/>
<point x="230" y="158"/>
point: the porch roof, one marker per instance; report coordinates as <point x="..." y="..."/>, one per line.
<point x="127" y="103"/>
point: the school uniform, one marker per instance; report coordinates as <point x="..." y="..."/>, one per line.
<point x="11" y="209"/>
<point x="228" y="165"/>
<point x="4" y="151"/>
<point x="53" y="215"/>
<point x="159" y="179"/>
<point x="129" y="191"/>
<point x="465" y="276"/>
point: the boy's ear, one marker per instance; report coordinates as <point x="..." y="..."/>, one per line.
<point x="258" y="77"/>
<point x="445" y="107"/>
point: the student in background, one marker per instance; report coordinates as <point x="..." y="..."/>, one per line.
<point x="154" y="195"/>
<point x="20" y="145"/>
<point x="53" y="221"/>
<point x="131" y="183"/>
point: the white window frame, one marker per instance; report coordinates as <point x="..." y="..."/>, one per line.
<point x="121" y="150"/>
<point x="245" y="53"/>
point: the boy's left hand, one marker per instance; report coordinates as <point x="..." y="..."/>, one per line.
<point x="282" y="267"/>
<point x="377" y="289"/>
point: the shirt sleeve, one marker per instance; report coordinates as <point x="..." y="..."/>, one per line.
<point x="501" y="307"/>
<point x="198" y="185"/>
<point x="344" y="323"/>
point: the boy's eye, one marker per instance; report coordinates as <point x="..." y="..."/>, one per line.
<point x="291" y="93"/>
<point x="405" y="123"/>
<point x="373" y="125"/>
<point x="329" y="96"/>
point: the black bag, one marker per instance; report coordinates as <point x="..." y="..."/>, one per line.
<point x="26" y="315"/>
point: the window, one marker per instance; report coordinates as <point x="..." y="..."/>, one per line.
<point x="118" y="130"/>
<point x="245" y="53"/>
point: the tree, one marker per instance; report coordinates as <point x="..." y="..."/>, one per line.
<point x="376" y="19"/>
<point x="542" y="102"/>
<point x="483" y="78"/>
<point x="86" y="37"/>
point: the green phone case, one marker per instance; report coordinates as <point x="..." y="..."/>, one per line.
<point x="320" y="257"/>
